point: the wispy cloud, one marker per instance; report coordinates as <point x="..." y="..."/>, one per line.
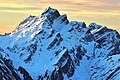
<point x="23" y="8"/>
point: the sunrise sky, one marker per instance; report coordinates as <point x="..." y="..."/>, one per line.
<point x="104" y="12"/>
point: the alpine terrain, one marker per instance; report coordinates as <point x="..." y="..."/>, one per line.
<point x="50" y="47"/>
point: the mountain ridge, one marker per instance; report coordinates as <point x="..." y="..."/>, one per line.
<point x="49" y="47"/>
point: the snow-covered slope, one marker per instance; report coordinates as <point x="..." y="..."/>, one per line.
<point x="49" y="47"/>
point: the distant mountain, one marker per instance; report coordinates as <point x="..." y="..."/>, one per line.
<point x="49" y="47"/>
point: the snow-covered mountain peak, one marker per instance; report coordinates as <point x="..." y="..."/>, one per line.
<point x="94" y="26"/>
<point x="49" y="47"/>
<point x="50" y="13"/>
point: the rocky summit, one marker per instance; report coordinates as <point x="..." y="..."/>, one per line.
<point x="50" y="47"/>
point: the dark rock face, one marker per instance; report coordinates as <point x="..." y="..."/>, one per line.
<point x="7" y="70"/>
<point x="38" y="50"/>
<point x="50" y="14"/>
<point x="26" y="75"/>
<point x="64" y="19"/>
<point x="94" y="26"/>
<point x="27" y="19"/>
<point x="57" y="75"/>
<point x="56" y="42"/>
<point x="113" y="74"/>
